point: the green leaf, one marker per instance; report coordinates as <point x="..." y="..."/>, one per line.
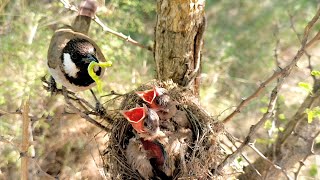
<point x="315" y="73"/>
<point x="305" y="86"/>
<point x="313" y="171"/>
<point x="263" y="109"/>
<point x="282" y="117"/>
<point x="268" y="124"/>
<point x="312" y="113"/>
<point x="281" y="129"/>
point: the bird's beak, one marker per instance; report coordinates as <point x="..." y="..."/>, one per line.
<point x="148" y="95"/>
<point x="159" y="91"/>
<point x="136" y="118"/>
<point x="90" y="58"/>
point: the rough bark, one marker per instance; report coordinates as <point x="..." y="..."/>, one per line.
<point x="178" y="40"/>
<point x="292" y="146"/>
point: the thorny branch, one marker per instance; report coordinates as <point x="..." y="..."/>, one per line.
<point x="254" y="128"/>
<point x="105" y="28"/>
<point x="251" y="145"/>
<point x="280" y="75"/>
<point x="82" y="103"/>
<point x="301" y="163"/>
<point x="233" y="140"/>
<point x="283" y="73"/>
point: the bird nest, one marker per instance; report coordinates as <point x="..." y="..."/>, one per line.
<point x="196" y="152"/>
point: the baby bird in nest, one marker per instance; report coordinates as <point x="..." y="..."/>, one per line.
<point x="159" y="100"/>
<point x="145" y="153"/>
<point x="145" y="121"/>
<point x="163" y="135"/>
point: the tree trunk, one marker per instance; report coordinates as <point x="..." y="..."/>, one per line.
<point x="178" y="41"/>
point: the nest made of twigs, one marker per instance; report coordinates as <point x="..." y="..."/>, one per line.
<point x="203" y="154"/>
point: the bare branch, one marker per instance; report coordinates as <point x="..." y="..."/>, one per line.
<point x="251" y="145"/>
<point x="283" y="73"/>
<point x="105" y="28"/>
<point x="301" y="163"/>
<point x="233" y="140"/>
<point x="254" y="128"/>
<point x="82" y="114"/>
<point x="25" y="141"/>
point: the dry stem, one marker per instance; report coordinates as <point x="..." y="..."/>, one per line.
<point x="25" y="140"/>
<point x="282" y="72"/>
<point x="105" y="28"/>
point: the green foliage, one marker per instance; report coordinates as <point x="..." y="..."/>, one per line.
<point x="238" y="163"/>
<point x="268" y="124"/>
<point x="306" y="86"/>
<point x="313" y="113"/>
<point x="315" y="73"/>
<point x="313" y="171"/>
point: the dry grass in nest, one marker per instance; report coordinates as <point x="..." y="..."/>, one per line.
<point x="203" y="151"/>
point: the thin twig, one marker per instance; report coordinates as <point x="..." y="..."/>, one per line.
<point x="301" y="163"/>
<point x="82" y="114"/>
<point x="254" y="128"/>
<point x="251" y="145"/>
<point x="233" y="140"/>
<point x="25" y="140"/>
<point x="105" y="28"/>
<point x="282" y="72"/>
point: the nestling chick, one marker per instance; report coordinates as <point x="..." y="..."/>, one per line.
<point x="147" y="157"/>
<point x="145" y="121"/>
<point x="137" y="158"/>
<point x="159" y="100"/>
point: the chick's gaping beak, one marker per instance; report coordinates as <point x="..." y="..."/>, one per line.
<point x="136" y="118"/>
<point x="148" y="96"/>
<point x="155" y="150"/>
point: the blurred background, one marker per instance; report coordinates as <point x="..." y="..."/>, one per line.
<point x="238" y="54"/>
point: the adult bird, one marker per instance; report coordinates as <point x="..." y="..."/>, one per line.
<point x="71" y="51"/>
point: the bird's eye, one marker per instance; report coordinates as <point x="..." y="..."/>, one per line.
<point x="145" y="123"/>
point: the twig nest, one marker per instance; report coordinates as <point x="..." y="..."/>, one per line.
<point x="187" y="147"/>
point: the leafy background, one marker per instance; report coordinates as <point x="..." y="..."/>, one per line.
<point x="238" y="54"/>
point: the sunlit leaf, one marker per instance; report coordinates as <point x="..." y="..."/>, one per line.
<point x="313" y="171"/>
<point x="312" y="113"/>
<point x="268" y="124"/>
<point x="281" y="129"/>
<point x="305" y="86"/>
<point x="263" y="109"/>
<point x="315" y="73"/>
<point x="282" y="117"/>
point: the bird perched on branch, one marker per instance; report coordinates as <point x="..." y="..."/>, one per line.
<point x="159" y="100"/>
<point x="71" y="51"/>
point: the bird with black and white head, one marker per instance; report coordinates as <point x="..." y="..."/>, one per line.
<point x="71" y="51"/>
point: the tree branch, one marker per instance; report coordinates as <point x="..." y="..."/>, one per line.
<point x="25" y="140"/>
<point x="282" y="72"/>
<point x="254" y="128"/>
<point x="105" y="28"/>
